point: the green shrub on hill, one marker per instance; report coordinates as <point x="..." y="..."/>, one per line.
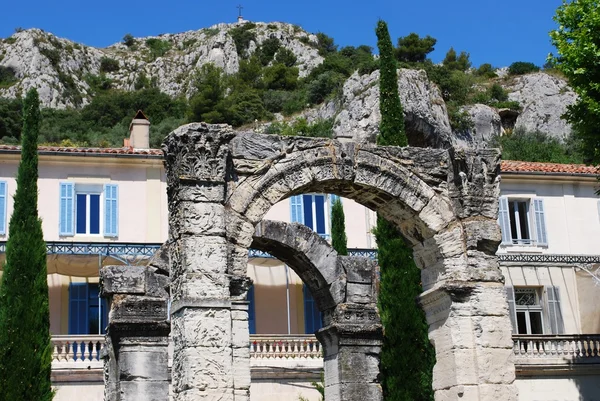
<point x="522" y="67"/>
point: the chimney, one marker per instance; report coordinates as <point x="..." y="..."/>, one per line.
<point x="139" y="132"/>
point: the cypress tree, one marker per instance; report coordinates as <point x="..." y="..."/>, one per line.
<point x="407" y="356"/>
<point x="339" y="241"/>
<point x="391" y="128"/>
<point x="25" y="348"/>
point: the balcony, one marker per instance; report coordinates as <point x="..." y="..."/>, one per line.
<point x="300" y="355"/>
<point x="564" y="352"/>
<point x="270" y="355"/>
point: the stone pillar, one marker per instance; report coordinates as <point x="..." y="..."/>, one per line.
<point x="136" y="355"/>
<point x="196" y="159"/>
<point x="352" y="346"/>
<point x="470" y="329"/>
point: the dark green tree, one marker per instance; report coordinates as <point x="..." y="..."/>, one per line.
<point x="414" y="49"/>
<point x="454" y="62"/>
<point x="577" y="41"/>
<point x="391" y="129"/>
<point x="339" y="241"/>
<point x="25" y="349"/>
<point x="407" y="356"/>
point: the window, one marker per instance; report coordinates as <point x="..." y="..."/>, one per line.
<point x="88" y="209"/>
<point x="88" y="314"/>
<point x="520" y="223"/>
<point x="313" y="211"/>
<point x="3" y="193"/>
<point x="312" y="315"/>
<point x="531" y="314"/>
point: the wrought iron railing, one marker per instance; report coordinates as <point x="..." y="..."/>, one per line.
<point x="96" y="248"/>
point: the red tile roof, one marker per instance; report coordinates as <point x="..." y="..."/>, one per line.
<point x="511" y="166"/>
<point x="90" y="151"/>
<point x="507" y="166"/>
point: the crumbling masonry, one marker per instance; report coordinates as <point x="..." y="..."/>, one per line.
<point x="221" y="184"/>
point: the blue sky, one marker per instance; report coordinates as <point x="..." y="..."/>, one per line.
<point x="494" y="32"/>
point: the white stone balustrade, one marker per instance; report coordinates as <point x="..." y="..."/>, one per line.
<point x="284" y="346"/>
<point x="552" y="349"/>
<point x="77" y="351"/>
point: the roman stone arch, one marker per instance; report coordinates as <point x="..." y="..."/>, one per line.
<point x="345" y="290"/>
<point x="221" y="184"/>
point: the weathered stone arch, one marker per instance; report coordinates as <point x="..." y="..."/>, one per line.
<point x="345" y="290"/>
<point x="221" y="184"/>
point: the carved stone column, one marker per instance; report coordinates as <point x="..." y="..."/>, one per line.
<point x="136" y="366"/>
<point x="470" y="329"/>
<point x="196" y="160"/>
<point x="352" y="346"/>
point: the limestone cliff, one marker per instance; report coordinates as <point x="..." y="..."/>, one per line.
<point x="61" y="70"/>
<point x="58" y="67"/>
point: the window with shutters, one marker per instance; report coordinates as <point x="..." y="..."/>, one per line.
<point x="88" y="209"/>
<point x="88" y="313"/>
<point x="314" y="211"/>
<point x="535" y="310"/>
<point x="522" y="221"/>
<point x="3" y="201"/>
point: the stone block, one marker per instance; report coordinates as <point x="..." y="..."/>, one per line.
<point x="206" y="192"/>
<point x="357" y="365"/>
<point x="157" y="284"/>
<point x="123" y="280"/>
<point x="201" y="327"/>
<point x="241" y="368"/>
<point x="496" y="392"/>
<point x="137" y="309"/>
<point x="198" y="286"/>
<point x="359" y="293"/>
<point x="143" y="363"/>
<point x="144" y="390"/>
<point x="437" y="214"/>
<point x="495" y="365"/>
<point x="358" y="270"/>
<point x="199" y="255"/>
<point x="196" y="218"/>
<point x="493" y="331"/>
<point x="204" y="368"/>
<point x="454" y="367"/>
<point x="240" y="334"/>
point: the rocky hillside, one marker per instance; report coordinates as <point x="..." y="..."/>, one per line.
<point x="64" y="73"/>
<point x="60" y="69"/>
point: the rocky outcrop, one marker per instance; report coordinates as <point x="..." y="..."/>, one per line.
<point x="61" y="69"/>
<point x="544" y="99"/>
<point x="426" y="118"/>
<point x="486" y="125"/>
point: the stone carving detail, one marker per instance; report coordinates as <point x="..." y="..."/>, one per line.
<point x="220" y="186"/>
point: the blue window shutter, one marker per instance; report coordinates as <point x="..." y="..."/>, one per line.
<point x="78" y="308"/>
<point x="111" y="210"/>
<point x="296" y="209"/>
<point x="66" y="208"/>
<point x="312" y="315"/>
<point x="3" y="207"/>
<point x="320" y="214"/>
<point x="251" y="312"/>
<point x="540" y="222"/>
<point x="307" y="201"/>
<point x="504" y="221"/>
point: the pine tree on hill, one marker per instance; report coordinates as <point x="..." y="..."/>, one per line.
<point x="407" y="356"/>
<point x="339" y="241"/>
<point x="25" y="348"/>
